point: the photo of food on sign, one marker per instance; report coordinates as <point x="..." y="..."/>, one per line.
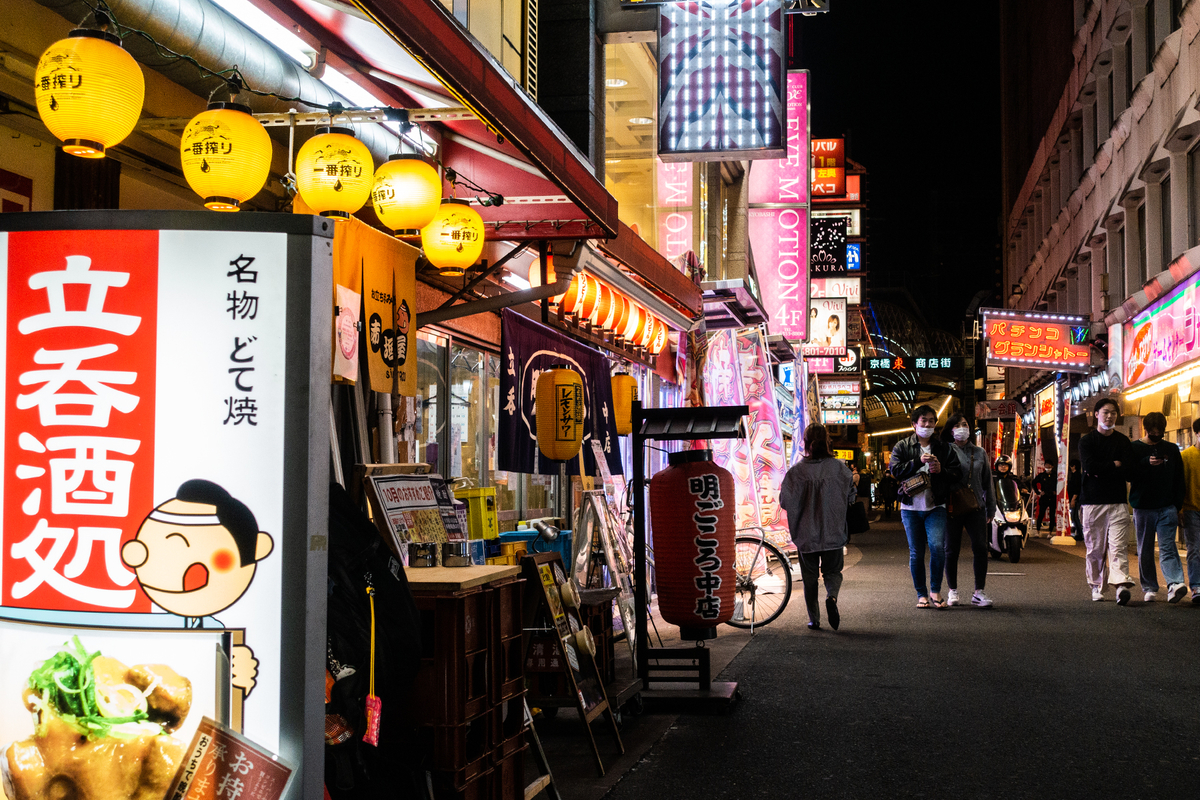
<point x="195" y="555"/>
<point x="101" y="729"/>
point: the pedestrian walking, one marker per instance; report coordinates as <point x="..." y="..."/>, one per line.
<point x="1044" y="486"/>
<point x="816" y="492"/>
<point x="977" y="477"/>
<point x="1156" y="489"/>
<point x="1104" y="456"/>
<point x="1074" y="482"/>
<point x="1189" y="517"/>
<point x="886" y="492"/>
<point x="925" y="468"/>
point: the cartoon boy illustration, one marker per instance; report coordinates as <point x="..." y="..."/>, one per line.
<point x="195" y="555"/>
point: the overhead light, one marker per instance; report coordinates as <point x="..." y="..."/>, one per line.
<point x="292" y="45"/>
<point x="641" y="120"/>
<point x="615" y="83"/>
<point x="515" y="280"/>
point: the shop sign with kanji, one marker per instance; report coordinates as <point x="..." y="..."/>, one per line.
<point x="1036" y="340"/>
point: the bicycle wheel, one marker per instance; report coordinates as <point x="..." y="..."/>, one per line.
<point x="764" y="582"/>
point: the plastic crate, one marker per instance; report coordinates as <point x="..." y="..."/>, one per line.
<point x="508" y="775"/>
<point x="481" y="511"/>
<point x="535" y="544"/>
<point x="453" y="684"/>
<point x="481" y="788"/>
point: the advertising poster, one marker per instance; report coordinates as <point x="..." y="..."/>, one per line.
<point x="156" y="382"/>
<point x="1164" y="336"/>
<point x="779" y="240"/>
<point x="221" y="764"/>
<point x="828" y="167"/>
<point x="674" y="200"/>
<point x="827" y="253"/>
<point x="527" y="349"/>
<point x="1063" y="511"/>
<point x="766" y="437"/>
<point x="723" y="387"/>
<point x="849" y="288"/>
<point x="827" y="331"/>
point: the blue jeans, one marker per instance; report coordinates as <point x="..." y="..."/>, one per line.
<point x="926" y="528"/>
<point x="1191" y="535"/>
<point x="1162" y="522"/>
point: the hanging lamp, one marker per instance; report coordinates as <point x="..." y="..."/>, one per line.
<point x="453" y="239"/>
<point x="407" y="193"/>
<point x="624" y="391"/>
<point x="334" y="172"/>
<point x="559" y="413"/>
<point x="89" y="91"/>
<point x="226" y="153"/>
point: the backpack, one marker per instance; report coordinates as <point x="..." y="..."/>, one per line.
<point x="358" y="558"/>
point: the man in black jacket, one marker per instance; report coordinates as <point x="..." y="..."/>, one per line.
<point x="1046" y="488"/>
<point x="1105" y="455"/>
<point x="923" y="510"/>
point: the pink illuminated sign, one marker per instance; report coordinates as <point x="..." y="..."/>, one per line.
<point x="674" y="200"/>
<point x="779" y="241"/>
<point x="785" y="180"/>
<point x="1163" y="336"/>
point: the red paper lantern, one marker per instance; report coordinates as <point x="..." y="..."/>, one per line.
<point x="692" y="513"/>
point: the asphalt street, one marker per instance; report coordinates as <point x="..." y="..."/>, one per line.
<point x="1047" y="694"/>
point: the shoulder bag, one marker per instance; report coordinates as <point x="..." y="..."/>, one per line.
<point x="963" y="500"/>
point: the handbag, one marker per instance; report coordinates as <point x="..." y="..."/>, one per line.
<point x="963" y="500"/>
<point x="856" y="519"/>
<point x="911" y="487"/>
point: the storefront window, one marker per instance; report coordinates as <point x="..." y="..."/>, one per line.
<point x="506" y="483"/>
<point x="466" y="441"/>
<point x="431" y="398"/>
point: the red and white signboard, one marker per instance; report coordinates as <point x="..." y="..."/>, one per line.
<point x="145" y="411"/>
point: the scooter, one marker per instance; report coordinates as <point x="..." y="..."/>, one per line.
<point x="1010" y="524"/>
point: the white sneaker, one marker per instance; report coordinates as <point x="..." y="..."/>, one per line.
<point x="952" y="597"/>
<point x="980" y="599"/>
<point x="1149" y="597"/>
<point x="1097" y="594"/>
<point x="1175" y="592"/>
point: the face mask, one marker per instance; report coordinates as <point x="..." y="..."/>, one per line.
<point x="1104" y="426"/>
<point x="924" y="432"/>
<point x="961" y="434"/>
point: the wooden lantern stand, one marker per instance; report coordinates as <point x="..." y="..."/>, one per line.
<point x="684" y="664"/>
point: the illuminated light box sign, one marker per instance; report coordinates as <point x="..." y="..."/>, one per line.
<point x="853" y="193"/>
<point x="841" y="401"/>
<point x="779" y="240"/>
<point x="827" y="335"/>
<point x="915" y="364"/>
<point x="1164" y="336"/>
<point x="721" y="81"/>
<point x="853" y="257"/>
<point x="996" y="409"/>
<point x="831" y="416"/>
<point x="849" y="288"/>
<point x="827" y="253"/>
<point x="675" y="196"/>
<point x="1044" y="404"/>
<point x="839" y="387"/>
<point x="849" y="364"/>
<point x="828" y="168"/>
<point x="1036" y="340"/>
<point x="820" y="365"/>
<point x="853" y="217"/>
<point x="166" y="373"/>
<point x="784" y="181"/>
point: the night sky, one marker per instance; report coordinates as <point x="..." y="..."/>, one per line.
<point x="915" y="91"/>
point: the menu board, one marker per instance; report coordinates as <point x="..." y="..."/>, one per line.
<point x="414" y="508"/>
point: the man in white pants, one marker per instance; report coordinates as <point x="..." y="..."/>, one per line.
<point x="1104" y="455"/>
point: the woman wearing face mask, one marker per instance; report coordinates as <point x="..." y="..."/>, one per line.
<point x="923" y="507"/>
<point x="977" y="474"/>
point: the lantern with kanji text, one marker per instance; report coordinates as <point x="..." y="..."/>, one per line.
<point x="693" y="517"/>
<point x="559" y="413"/>
<point x="226" y="155"/>
<point x="334" y="173"/>
<point x="624" y="392"/>
<point x="453" y="240"/>
<point x="407" y="193"/>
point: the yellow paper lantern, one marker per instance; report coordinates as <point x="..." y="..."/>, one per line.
<point x="624" y="391"/>
<point x="559" y="413"/>
<point x="453" y="240"/>
<point x="89" y="91"/>
<point x="334" y="173"/>
<point x="226" y="155"/>
<point x="407" y="193"/>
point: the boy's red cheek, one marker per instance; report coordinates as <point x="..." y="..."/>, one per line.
<point x="223" y="560"/>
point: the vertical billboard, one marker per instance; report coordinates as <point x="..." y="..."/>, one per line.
<point x="721" y="81"/>
<point x="723" y="387"/>
<point x="827" y="332"/>
<point x="779" y="241"/>
<point x="827" y="253"/>
<point x="767" y="456"/>
<point x="828" y="168"/>
<point x="166" y="374"/>
<point x="675" y="196"/>
<point x="784" y="181"/>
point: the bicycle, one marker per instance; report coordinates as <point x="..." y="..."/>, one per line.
<point x="764" y="580"/>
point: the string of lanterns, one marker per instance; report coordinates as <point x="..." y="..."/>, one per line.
<point x="605" y="308"/>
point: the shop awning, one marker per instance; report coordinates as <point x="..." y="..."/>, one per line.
<point x="494" y="134"/>
<point x="731" y="304"/>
